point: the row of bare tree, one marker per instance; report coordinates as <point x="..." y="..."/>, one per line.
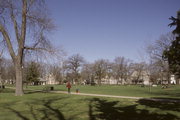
<point x="77" y="70"/>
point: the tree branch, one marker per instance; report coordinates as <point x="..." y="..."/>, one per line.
<point x="38" y="49"/>
<point x="23" y="31"/>
<point x="23" y="25"/>
<point x="8" y="41"/>
<point x="1" y="53"/>
<point x="15" y="23"/>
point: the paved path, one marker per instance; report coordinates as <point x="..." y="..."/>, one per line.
<point x="124" y="97"/>
<point x="87" y="94"/>
<point x="111" y="96"/>
<point x="98" y="95"/>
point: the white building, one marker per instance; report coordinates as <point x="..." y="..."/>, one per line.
<point x="172" y="79"/>
<point x="50" y="79"/>
<point x="110" y="81"/>
<point x="136" y="78"/>
<point x="140" y="78"/>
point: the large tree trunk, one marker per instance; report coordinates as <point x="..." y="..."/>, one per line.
<point x="19" y="79"/>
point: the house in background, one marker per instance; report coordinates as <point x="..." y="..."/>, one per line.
<point x="140" y="78"/>
<point x="42" y="81"/>
<point x="50" y="79"/>
<point x="109" y="81"/>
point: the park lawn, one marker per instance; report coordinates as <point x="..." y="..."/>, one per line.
<point x="53" y="106"/>
<point x="129" y="90"/>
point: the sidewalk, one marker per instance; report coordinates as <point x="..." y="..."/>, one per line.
<point x="87" y="94"/>
<point x="122" y="97"/>
<point x="112" y="96"/>
<point x="97" y="95"/>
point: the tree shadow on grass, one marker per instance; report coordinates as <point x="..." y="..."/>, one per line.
<point x="46" y="111"/>
<point x="32" y="91"/>
<point x="6" y="90"/>
<point x="50" y="110"/>
<point x="112" y="110"/>
<point x="19" y="114"/>
<point x="162" y="103"/>
<point x="166" y="92"/>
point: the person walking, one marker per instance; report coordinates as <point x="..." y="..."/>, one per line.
<point x="68" y="85"/>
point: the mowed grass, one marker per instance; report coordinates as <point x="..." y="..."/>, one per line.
<point x="53" y="106"/>
<point x="172" y="91"/>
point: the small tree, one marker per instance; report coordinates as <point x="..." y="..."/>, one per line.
<point x="138" y="72"/>
<point x="120" y="69"/>
<point x="100" y="69"/>
<point x="32" y="75"/>
<point x="88" y="73"/>
<point x="57" y="73"/>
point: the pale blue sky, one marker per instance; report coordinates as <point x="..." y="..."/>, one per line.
<point x="109" y="28"/>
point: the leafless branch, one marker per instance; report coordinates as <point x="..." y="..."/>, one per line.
<point x="8" y="41"/>
<point x="38" y="49"/>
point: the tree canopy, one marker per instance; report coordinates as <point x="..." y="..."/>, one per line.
<point x="172" y="54"/>
<point x="33" y="73"/>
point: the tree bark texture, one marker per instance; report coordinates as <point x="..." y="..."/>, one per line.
<point x="19" y="80"/>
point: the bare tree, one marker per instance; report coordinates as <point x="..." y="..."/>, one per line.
<point x="156" y="49"/>
<point x="74" y="64"/>
<point x="100" y="69"/>
<point x="24" y="25"/>
<point x="87" y="73"/>
<point x="57" y="72"/>
<point x="120" y="69"/>
<point x="139" y="69"/>
<point x="154" y="72"/>
<point x="155" y="52"/>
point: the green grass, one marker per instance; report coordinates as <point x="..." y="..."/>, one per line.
<point x="51" y="106"/>
<point x="132" y="90"/>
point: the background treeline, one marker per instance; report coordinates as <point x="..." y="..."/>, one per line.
<point x="77" y="70"/>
